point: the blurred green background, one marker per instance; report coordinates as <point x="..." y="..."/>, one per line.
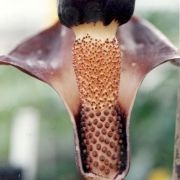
<point x="152" y="121"/>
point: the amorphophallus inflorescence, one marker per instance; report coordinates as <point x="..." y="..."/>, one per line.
<point x="97" y="66"/>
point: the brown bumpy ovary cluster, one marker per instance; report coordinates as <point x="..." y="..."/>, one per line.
<point x="97" y="68"/>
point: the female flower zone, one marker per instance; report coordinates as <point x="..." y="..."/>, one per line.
<point x="97" y="65"/>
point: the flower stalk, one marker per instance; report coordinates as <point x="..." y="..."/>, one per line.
<point x="176" y="165"/>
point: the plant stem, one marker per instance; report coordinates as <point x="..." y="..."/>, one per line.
<point x="176" y="166"/>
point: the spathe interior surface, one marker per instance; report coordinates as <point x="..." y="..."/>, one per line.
<point x="48" y="57"/>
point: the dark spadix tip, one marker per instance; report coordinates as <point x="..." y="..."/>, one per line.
<point x="75" y="12"/>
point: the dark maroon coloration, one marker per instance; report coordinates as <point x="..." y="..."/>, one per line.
<point x="82" y="145"/>
<point x="122" y="118"/>
<point x="48" y="57"/>
<point x="75" y="12"/>
<point x="123" y="136"/>
<point x="38" y="55"/>
<point x="142" y="43"/>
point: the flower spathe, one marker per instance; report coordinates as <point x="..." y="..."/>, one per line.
<point x="48" y="57"/>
